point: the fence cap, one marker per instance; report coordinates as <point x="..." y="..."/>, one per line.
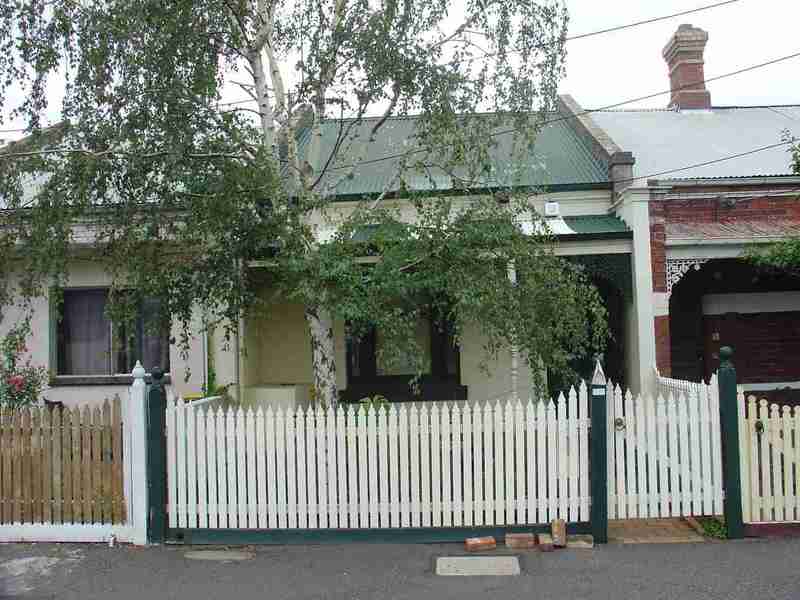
<point x="138" y="371"/>
<point x="725" y="354"/>
<point x="157" y="374"/>
<point x="599" y="377"/>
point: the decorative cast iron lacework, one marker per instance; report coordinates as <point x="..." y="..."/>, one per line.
<point x="678" y="267"/>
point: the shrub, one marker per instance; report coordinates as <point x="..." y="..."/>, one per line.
<point x="21" y="383"/>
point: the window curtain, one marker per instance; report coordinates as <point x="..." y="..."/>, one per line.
<point x="85" y="340"/>
<point x="148" y="341"/>
<point x="155" y="340"/>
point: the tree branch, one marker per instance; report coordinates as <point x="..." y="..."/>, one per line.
<point x="238" y="21"/>
<point x="388" y="112"/>
<point x="116" y="154"/>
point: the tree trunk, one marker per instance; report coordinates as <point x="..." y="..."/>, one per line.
<point x="264" y="104"/>
<point x="320" y="326"/>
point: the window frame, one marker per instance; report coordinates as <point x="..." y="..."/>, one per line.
<point x="436" y="385"/>
<point x="112" y="376"/>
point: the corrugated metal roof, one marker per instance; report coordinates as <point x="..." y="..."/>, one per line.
<point x="662" y="140"/>
<point x="559" y="157"/>
<point x="594" y="224"/>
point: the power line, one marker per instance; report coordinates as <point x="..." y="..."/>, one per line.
<point x="576" y="37"/>
<point x="708" y="162"/>
<point x="648" y="21"/>
<point x="691" y="85"/>
<point x="618" y="104"/>
<point x="618" y="27"/>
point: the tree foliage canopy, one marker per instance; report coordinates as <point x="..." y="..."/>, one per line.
<point x="174" y="191"/>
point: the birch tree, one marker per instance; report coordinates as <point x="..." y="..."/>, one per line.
<point x="181" y="189"/>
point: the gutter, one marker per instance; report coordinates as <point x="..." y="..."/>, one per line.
<point x="726" y="181"/>
<point x="586" y="237"/>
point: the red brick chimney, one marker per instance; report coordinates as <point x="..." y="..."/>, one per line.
<point x="684" y="56"/>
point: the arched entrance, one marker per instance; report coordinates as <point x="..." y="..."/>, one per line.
<point x="730" y="302"/>
<point x="611" y="275"/>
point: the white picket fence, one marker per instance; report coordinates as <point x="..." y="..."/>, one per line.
<point x="664" y="454"/>
<point x="426" y="465"/>
<point x="770" y="461"/>
<point x="666" y="386"/>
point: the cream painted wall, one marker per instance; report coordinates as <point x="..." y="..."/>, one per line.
<point x="83" y="273"/>
<point x="279" y="353"/>
<point x="634" y="209"/>
<point x="631" y="348"/>
<point x="497" y="384"/>
<point x="278" y="347"/>
<point x="590" y="202"/>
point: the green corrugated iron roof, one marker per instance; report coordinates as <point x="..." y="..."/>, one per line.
<point x="560" y="158"/>
<point x="596" y="225"/>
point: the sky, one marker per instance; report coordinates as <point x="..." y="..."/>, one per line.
<point x="613" y="67"/>
<point x="609" y="68"/>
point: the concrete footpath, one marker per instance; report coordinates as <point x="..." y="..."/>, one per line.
<point x="725" y="570"/>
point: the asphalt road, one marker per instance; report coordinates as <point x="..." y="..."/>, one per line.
<point x="762" y="570"/>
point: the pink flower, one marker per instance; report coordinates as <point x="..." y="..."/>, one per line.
<point x="17" y="381"/>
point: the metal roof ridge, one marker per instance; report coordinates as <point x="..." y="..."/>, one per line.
<point x="415" y="116"/>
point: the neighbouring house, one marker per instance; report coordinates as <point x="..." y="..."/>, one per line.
<point x="658" y="205"/>
<point x="714" y="180"/>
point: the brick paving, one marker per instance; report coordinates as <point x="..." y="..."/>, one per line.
<point x="652" y="531"/>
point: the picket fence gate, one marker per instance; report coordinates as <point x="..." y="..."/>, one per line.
<point x="770" y="461"/>
<point x="405" y="466"/>
<point x="664" y="454"/>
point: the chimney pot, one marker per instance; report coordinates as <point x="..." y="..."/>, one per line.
<point x="684" y="56"/>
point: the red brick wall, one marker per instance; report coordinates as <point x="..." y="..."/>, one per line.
<point x="711" y="210"/>
<point x="680" y="342"/>
<point x="715" y="210"/>
<point x="767" y="345"/>
<point x="686" y="73"/>
<point x="663" y="354"/>
<point x="658" y="256"/>
<point x="689" y="76"/>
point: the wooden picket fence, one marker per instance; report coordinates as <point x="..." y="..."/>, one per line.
<point x="664" y="453"/>
<point x="418" y="466"/>
<point x="61" y="466"/>
<point x="770" y="461"/>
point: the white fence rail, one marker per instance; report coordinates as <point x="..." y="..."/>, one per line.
<point x="664" y="456"/>
<point x="666" y="386"/>
<point x="427" y="465"/>
<point x="770" y="461"/>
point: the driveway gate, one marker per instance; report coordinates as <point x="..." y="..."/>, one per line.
<point x="431" y="467"/>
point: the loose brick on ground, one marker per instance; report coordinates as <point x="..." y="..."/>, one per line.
<point x="520" y="541"/>
<point x="545" y="542"/>
<point x="558" y="529"/>
<point x="479" y="544"/>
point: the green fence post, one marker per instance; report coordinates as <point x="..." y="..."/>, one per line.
<point x="729" y="426"/>
<point x="156" y="459"/>
<point x="598" y="468"/>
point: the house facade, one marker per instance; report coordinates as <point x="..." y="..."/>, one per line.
<point x="657" y="205"/>
<point x="717" y="182"/>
